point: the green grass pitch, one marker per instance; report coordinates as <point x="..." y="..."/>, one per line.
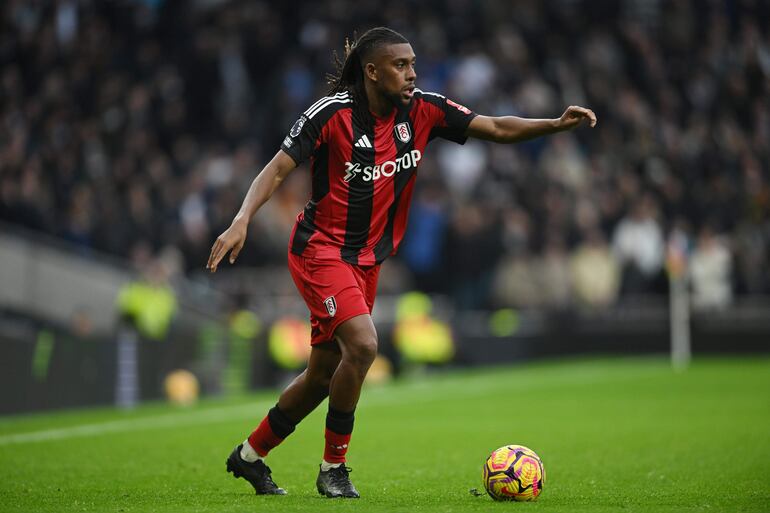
<point x="614" y="434"/>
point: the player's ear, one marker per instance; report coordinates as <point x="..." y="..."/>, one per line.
<point x="370" y="70"/>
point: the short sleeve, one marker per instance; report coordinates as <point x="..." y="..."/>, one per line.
<point x="300" y="142"/>
<point x="305" y="134"/>
<point x="454" y="122"/>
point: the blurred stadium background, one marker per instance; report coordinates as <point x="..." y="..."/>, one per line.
<point x="130" y="131"/>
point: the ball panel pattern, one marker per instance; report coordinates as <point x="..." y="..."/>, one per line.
<point x="513" y="472"/>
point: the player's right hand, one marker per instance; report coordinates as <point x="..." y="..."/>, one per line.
<point x="231" y="239"/>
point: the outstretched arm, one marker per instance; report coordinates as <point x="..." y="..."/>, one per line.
<point x="510" y="129"/>
<point x="263" y="186"/>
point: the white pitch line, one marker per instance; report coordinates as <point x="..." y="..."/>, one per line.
<point x="418" y="392"/>
<point x="214" y="415"/>
<point x="208" y="416"/>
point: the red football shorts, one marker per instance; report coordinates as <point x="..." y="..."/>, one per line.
<point x="334" y="291"/>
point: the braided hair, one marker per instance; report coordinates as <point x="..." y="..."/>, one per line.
<point x="350" y="72"/>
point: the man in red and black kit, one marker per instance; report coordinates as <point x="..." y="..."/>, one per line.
<point x="365" y="142"/>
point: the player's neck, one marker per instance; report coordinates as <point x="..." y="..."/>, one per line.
<point x="379" y="105"/>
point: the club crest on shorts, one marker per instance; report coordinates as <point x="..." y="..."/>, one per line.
<point x="403" y="132"/>
<point x="331" y="305"/>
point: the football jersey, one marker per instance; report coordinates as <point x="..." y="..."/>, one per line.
<point x="363" y="177"/>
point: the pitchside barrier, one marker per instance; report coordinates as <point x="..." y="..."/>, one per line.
<point x="44" y="365"/>
<point x="63" y="343"/>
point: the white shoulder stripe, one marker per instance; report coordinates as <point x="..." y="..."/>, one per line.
<point x="323" y="101"/>
<point x="326" y="99"/>
<point x="428" y="92"/>
<point x="322" y="106"/>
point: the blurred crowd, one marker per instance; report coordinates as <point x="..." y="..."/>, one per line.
<point x="133" y="127"/>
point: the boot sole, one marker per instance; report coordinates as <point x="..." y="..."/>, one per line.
<point x="340" y="496"/>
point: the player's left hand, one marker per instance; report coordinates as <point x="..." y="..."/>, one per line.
<point x="574" y="115"/>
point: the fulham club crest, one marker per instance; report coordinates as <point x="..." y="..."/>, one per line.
<point x="403" y="132"/>
<point x="331" y="305"/>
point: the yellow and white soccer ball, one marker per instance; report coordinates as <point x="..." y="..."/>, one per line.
<point x="514" y="473"/>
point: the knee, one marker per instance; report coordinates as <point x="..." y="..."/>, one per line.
<point x="362" y="350"/>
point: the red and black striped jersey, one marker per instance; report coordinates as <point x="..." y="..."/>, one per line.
<point x="363" y="177"/>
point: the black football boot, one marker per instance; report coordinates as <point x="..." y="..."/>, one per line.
<point x="257" y="473"/>
<point x="335" y="482"/>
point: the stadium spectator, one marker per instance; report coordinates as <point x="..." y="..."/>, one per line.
<point x="122" y="122"/>
<point x="639" y="246"/>
<point x="710" y="272"/>
<point x="595" y="273"/>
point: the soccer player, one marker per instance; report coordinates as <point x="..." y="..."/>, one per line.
<point x="365" y="141"/>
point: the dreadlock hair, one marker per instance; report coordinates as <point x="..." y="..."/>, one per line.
<point x="350" y="72"/>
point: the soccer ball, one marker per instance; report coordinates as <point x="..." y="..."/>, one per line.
<point x="514" y="473"/>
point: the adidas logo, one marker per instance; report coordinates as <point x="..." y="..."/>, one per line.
<point x="363" y="142"/>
